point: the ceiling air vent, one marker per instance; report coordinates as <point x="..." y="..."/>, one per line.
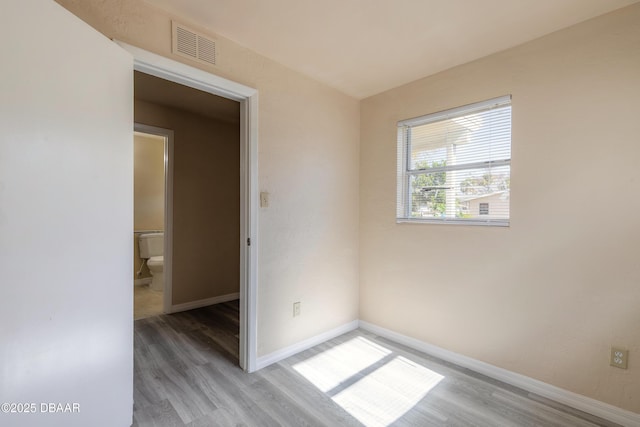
<point x="192" y="44"/>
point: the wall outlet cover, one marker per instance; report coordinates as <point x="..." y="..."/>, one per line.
<point x="619" y="357"/>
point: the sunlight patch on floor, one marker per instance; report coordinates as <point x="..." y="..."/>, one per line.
<point x="330" y="368"/>
<point x="389" y="392"/>
<point x="374" y="395"/>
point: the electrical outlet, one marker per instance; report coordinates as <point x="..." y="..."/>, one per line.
<point x="619" y="357"/>
<point x="296" y="309"/>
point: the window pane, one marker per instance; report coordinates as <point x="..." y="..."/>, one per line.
<point x="429" y="145"/>
<point x="428" y="195"/>
<point x="477" y="137"/>
<point x="481" y="193"/>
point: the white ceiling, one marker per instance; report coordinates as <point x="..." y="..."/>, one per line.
<point x="363" y="47"/>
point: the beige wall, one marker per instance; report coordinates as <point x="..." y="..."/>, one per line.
<point x="148" y="192"/>
<point x="548" y="296"/>
<point x="148" y="182"/>
<point x="206" y="201"/>
<point x="308" y="161"/>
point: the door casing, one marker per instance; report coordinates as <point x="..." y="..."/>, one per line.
<point x="186" y="75"/>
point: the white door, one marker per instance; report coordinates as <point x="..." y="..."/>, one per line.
<point x="66" y="165"/>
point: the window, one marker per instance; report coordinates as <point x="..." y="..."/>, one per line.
<point x="453" y="164"/>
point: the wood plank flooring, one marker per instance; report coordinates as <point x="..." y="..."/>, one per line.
<point x="186" y="374"/>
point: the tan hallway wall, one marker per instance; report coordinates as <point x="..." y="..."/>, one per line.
<point x="548" y="296"/>
<point x="206" y="201"/>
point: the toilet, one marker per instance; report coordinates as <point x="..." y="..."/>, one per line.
<point x="152" y="250"/>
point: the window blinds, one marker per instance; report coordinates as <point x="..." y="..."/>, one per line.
<point x="455" y="165"/>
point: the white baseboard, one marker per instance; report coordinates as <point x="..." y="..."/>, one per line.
<point x="140" y="282"/>
<point x="282" y="354"/>
<point x="574" y="400"/>
<point x="203" y="302"/>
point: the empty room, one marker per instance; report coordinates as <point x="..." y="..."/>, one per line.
<point x="425" y="213"/>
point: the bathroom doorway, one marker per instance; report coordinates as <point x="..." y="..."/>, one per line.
<point x="153" y="211"/>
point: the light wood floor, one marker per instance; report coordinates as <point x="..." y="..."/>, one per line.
<point x="186" y="374"/>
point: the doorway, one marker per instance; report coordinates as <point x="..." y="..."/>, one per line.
<point x="153" y="215"/>
<point x="177" y="72"/>
<point x="203" y="223"/>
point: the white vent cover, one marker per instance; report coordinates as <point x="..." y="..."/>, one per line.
<point x="192" y="44"/>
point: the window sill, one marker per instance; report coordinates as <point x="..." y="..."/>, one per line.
<point x="486" y="223"/>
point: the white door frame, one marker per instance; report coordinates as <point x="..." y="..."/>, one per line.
<point x="177" y="72"/>
<point x="167" y="296"/>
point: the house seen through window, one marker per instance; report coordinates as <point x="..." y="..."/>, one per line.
<point x="455" y="166"/>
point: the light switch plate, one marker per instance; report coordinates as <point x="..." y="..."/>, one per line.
<point x="264" y="199"/>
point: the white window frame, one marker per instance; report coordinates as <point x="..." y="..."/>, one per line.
<point x="403" y="205"/>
